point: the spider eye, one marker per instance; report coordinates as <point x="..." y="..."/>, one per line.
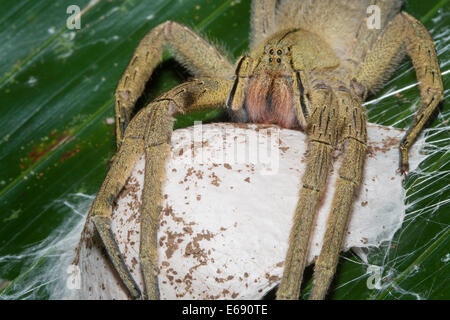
<point x="270" y="59"/>
<point x="279" y="52"/>
<point x="279" y="60"/>
<point x="271" y="51"/>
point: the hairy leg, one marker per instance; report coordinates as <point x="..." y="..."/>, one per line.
<point x="200" y="57"/>
<point x="347" y="185"/>
<point x="101" y="209"/>
<point x="321" y="142"/>
<point x="193" y="95"/>
<point x="387" y="51"/>
<point x="149" y="132"/>
<point x="301" y="88"/>
<point x="236" y="98"/>
<point x="157" y="149"/>
<point x="365" y="35"/>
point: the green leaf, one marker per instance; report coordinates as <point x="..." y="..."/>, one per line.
<point x="56" y="89"/>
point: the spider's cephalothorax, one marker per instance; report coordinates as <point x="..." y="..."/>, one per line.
<point x="278" y="87"/>
<point x="310" y="66"/>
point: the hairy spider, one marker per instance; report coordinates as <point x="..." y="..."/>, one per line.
<point x="310" y="66"/>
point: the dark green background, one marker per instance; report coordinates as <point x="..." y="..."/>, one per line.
<point x="56" y="93"/>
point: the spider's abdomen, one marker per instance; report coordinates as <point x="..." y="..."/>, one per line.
<point x="270" y="100"/>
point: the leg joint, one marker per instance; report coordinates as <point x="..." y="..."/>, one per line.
<point x="167" y="28"/>
<point x="354" y="139"/>
<point x="154" y="144"/>
<point x="352" y="181"/>
<point x="322" y="142"/>
<point x="306" y="186"/>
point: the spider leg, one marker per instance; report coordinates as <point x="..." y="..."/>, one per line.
<point x="157" y="148"/>
<point x="200" y="57"/>
<point x="387" y="52"/>
<point x="101" y="209"/>
<point x="302" y="105"/>
<point x="236" y="98"/>
<point x="347" y="184"/>
<point x="192" y="95"/>
<point x="149" y="132"/>
<point x="262" y="21"/>
<point x="321" y="141"/>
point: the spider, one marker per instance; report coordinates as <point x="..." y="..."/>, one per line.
<point x="310" y="67"/>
